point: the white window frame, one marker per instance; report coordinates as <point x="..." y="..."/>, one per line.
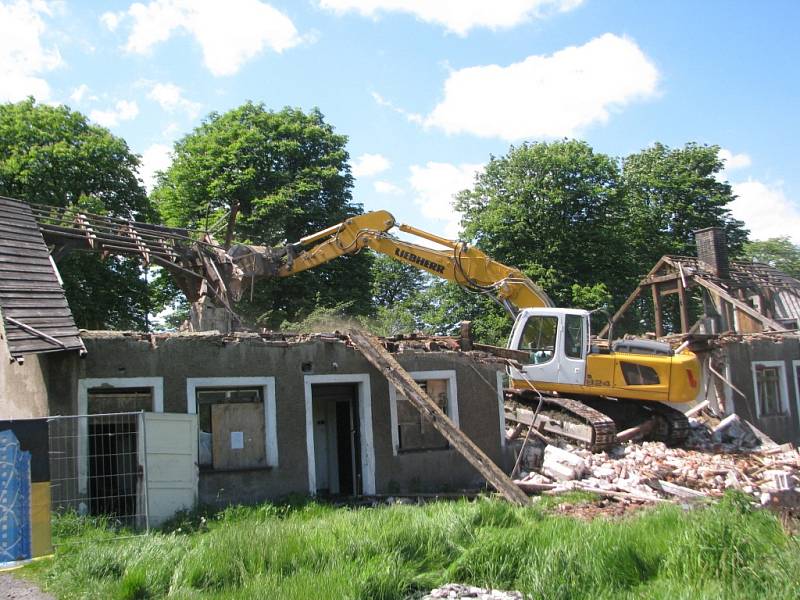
<point x="84" y="385"/>
<point x="452" y="400"/>
<point x="501" y="405"/>
<point x="781" y="365"/>
<point x="267" y="385"/>
<point x="364" y="396"/>
<point x="796" y="379"/>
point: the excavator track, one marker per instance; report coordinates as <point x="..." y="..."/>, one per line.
<point x="593" y="422"/>
<point x="563" y="418"/>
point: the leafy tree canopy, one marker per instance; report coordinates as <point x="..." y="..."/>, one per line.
<point x="283" y="175"/>
<point x="584" y="225"/>
<point x="672" y="192"/>
<point x="552" y="210"/>
<point x="778" y="252"/>
<point x="53" y="155"/>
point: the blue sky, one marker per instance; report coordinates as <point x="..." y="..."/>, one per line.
<point x="427" y="90"/>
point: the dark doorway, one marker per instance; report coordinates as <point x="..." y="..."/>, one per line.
<point x="113" y="466"/>
<point x="337" y="444"/>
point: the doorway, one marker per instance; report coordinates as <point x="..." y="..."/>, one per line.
<point x="337" y="439"/>
<point x="113" y="434"/>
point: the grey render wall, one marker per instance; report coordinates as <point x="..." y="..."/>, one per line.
<point x="740" y="356"/>
<point x="179" y="357"/>
<point x="25" y="388"/>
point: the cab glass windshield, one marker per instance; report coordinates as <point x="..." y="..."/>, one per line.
<point x="539" y="338"/>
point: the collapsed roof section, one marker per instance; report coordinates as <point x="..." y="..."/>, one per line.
<point x="747" y="297"/>
<point x="35" y="313"/>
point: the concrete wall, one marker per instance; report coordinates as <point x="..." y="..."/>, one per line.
<point x="25" y="388"/>
<point x="179" y="357"/>
<point x="740" y="357"/>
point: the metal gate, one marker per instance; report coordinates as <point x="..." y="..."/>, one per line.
<point x="98" y="468"/>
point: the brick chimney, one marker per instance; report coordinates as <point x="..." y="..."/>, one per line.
<point x="713" y="250"/>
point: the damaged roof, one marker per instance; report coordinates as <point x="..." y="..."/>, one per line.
<point x="35" y="313"/>
<point x="780" y="291"/>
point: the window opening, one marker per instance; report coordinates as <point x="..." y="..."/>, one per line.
<point x="105" y="400"/>
<point x="539" y="338"/>
<point x="573" y="336"/>
<point x="231" y="427"/>
<point x="415" y="433"/>
<point x="768" y="383"/>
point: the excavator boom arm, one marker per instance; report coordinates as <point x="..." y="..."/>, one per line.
<point x="459" y="263"/>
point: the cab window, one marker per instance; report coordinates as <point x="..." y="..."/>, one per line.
<point x="573" y="336"/>
<point x="539" y="338"/>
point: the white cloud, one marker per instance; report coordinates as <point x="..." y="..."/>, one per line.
<point x="435" y="185"/>
<point x="385" y="187"/>
<point x="23" y="58"/>
<point x="112" y="19"/>
<point x="458" y="16"/>
<point x="731" y="163"/>
<point x="368" y="165"/>
<point x="229" y="33"/>
<point x="79" y="93"/>
<point x="170" y="97"/>
<point x="171" y="131"/>
<point x="766" y="211"/>
<point x="734" y="161"/>
<point x="156" y="158"/>
<point x="411" y="117"/>
<point x="124" y="110"/>
<point x="546" y="96"/>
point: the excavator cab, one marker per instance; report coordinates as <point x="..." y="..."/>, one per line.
<point x="557" y="342"/>
<point x="563" y="360"/>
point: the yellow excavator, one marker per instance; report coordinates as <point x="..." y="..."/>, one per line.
<point x="589" y="391"/>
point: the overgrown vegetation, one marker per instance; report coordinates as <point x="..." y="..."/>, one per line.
<point x="307" y="550"/>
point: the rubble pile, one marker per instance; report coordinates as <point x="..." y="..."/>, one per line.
<point x="457" y="591"/>
<point x="731" y="455"/>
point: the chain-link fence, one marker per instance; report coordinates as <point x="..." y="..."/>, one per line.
<point x="98" y="467"/>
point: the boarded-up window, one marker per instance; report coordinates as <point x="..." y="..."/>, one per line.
<point x="415" y="432"/>
<point x="231" y="428"/>
<point x="769" y="390"/>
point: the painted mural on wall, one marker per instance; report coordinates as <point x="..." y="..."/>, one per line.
<point x="24" y="491"/>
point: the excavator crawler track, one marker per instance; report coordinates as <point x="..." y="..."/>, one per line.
<point x="593" y="422"/>
<point x="563" y="418"/>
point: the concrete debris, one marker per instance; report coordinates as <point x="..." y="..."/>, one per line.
<point x="562" y="465"/>
<point x="458" y="590"/>
<point x="733" y="430"/>
<point x="713" y="460"/>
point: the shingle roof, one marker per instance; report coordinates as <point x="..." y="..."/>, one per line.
<point x="34" y="309"/>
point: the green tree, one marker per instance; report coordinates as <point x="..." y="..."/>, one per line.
<point x="554" y="211"/>
<point x="583" y="225"/>
<point x="282" y="175"/>
<point x="670" y="193"/>
<point x="52" y="155"/>
<point x="394" y="281"/>
<point x="778" y="252"/>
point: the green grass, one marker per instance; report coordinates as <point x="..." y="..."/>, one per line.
<point x="308" y="550"/>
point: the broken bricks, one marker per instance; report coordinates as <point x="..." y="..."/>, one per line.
<point x="713" y="462"/>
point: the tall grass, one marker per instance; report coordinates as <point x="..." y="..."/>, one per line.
<point x="313" y="551"/>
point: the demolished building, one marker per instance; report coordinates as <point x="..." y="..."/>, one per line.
<point x="746" y="336"/>
<point x="245" y="417"/>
